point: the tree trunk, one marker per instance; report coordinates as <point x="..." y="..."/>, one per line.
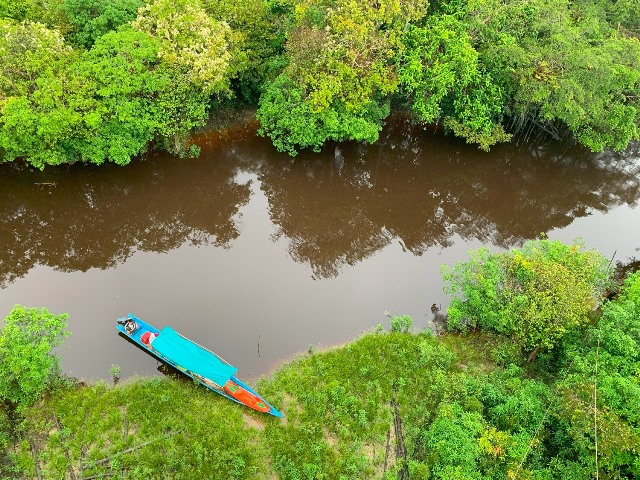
<point x="534" y="354"/>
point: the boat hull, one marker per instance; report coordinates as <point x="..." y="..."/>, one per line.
<point x="235" y="389"/>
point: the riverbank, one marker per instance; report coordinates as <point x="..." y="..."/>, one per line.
<point x="388" y="405"/>
<point x="350" y="412"/>
<point x="468" y="405"/>
<point x="341" y="407"/>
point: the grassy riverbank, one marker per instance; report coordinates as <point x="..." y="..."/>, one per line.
<point x="539" y="400"/>
<point x="341" y="409"/>
<point x="387" y="405"/>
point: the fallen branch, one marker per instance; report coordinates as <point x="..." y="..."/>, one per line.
<point x="34" y="452"/>
<point x="66" y="450"/>
<point x="110" y="474"/>
<point x="401" y="449"/>
<point x="128" y="450"/>
<point x="82" y="449"/>
<point x="553" y="133"/>
<point x="386" y="452"/>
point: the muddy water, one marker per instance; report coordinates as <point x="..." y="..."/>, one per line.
<point x="260" y="256"/>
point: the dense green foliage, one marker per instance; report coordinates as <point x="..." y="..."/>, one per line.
<point x="562" y="64"/>
<point x="150" y="80"/>
<point x="318" y="71"/>
<point x="105" y="105"/>
<point x="256" y="42"/>
<point x="27" y="362"/>
<point x="479" y="67"/>
<point x="339" y="73"/>
<point x="613" y="344"/>
<point x="442" y="72"/>
<point x="535" y="295"/>
<point x="92" y="19"/>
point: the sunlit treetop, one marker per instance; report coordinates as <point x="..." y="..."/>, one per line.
<point x="28" y="50"/>
<point x="190" y="39"/>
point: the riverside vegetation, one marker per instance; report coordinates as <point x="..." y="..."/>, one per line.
<point x="473" y="403"/>
<point x="104" y="80"/>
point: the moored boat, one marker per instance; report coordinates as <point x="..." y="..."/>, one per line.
<point x="193" y="360"/>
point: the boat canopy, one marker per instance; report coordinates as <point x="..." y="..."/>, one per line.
<point x="192" y="357"/>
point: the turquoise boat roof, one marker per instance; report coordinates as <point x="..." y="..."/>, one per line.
<point x="192" y="357"/>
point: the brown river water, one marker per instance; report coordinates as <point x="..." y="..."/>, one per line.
<point x="259" y="256"/>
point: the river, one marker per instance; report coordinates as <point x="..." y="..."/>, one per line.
<point x="259" y="256"/>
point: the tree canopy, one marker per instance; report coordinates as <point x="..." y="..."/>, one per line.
<point x="91" y="19"/>
<point x="536" y="294"/>
<point x="318" y="71"/>
<point x="149" y="81"/>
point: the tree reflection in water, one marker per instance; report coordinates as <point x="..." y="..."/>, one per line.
<point x="334" y="209"/>
<point x="96" y="217"/>
<point x="422" y="190"/>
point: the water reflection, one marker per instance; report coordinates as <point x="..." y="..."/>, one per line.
<point x="422" y="190"/>
<point x="334" y="209"/>
<point x="95" y="217"/>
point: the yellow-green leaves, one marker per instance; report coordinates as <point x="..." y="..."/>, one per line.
<point x="28" y="51"/>
<point x="341" y="70"/>
<point x="190" y="40"/>
<point x="535" y="294"/>
<point x="352" y="44"/>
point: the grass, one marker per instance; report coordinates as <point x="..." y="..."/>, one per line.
<point x="143" y="428"/>
<point x="342" y="410"/>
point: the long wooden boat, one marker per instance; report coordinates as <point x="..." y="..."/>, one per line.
<point x="193" y="360"/>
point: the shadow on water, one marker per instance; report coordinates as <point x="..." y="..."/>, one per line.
<point x="334" y="209"/>
<point x="112" y="239"/>
<point x="162" y="368"/>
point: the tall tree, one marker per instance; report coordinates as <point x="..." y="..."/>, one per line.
<point x="339" y="75"/>
<point x="443" y="76"/>
<point x="195" y="51"/>
<point x="561" y="66"/>
<point x="191" y="41"/>
<point x="115" y="90"/>
<point x="93" y="18"/>
<point x="28" y="51"/>
<point x="33" y="61"/>
<point x="256" y="41"/>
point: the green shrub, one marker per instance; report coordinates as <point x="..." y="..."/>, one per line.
<point x="27" y="363"/>
<point x="533" y="295"/>
<point x="401" y="324"/>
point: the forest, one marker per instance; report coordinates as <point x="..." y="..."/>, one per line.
<point x="100" y="81"/>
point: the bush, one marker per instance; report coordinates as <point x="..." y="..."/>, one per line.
<point x="401" y="323"/>
<point x="27" y="363"/>
<point x="534" y="295"/>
